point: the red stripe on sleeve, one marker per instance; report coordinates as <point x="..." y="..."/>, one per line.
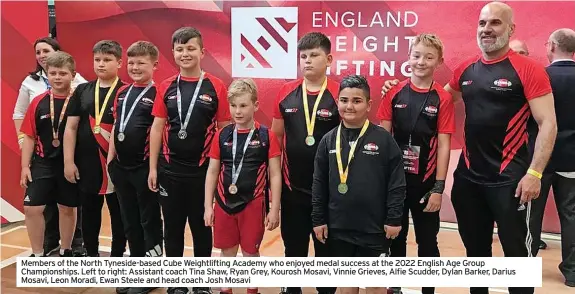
<point x="159" y="109"/>
<point x="533" y="76"/>
<point x="29" y="123"/>
<point x="454" y="82"/>
<point x="223" y="112"/>
<point x="274" y="150"/>
<point x="385" y="109"/>
<point x="282" y="94"/>
<point x="215" y="148"/>
<point x="446" y="119"/>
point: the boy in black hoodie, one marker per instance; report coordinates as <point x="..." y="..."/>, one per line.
<point x="360" y="200"/>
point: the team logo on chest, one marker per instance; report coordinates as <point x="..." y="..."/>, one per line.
<point x="502" y="83"/>
<point x="430" y="110"/>
<point x="370" y="149"/>
<point x="400" y="106"/>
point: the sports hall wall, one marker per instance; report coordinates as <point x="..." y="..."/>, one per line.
<point x="258" y="40"/>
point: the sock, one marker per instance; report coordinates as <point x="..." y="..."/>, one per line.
<point x="62" y="250"/>
<point x="36" y="254"/>
<point x="252" y="290"/>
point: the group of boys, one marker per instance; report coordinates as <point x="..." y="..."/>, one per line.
<point x="166" y="151"/>
<point x="170" y="150"/>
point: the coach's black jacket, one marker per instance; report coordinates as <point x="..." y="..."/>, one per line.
<point x="376" y="182"/>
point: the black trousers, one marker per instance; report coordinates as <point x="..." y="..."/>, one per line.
<point x="140" y="210"/>
<point x="296" y="228"/>
<point x="425" y="224"/>
<point x="92" y="205"/>
<point x="52" y="231"/>
<point x="182" y="200"/>
<point x="564" y="193"/>
<point x="477" y="207"/>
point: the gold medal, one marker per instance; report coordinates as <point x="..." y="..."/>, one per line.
<point x="99" y="111"/>
<point x="342" y="187"/>
<point x="310" y="122"/>
<point x="309" y="140"/>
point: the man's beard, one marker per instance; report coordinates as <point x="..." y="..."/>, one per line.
<point x="500" y="42"/>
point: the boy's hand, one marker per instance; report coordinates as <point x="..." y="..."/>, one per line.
<point x="25" y="177"/>
<point x="209" y="216"/>
<point x="153" y="180"/>
<point x="433" y="204"/>
<point x="272" y="220"/>
<point x="321" y="233"/>
<point x="388" y="85"/>
<point x="71" y="172"/>
<point x="391" y="232"/>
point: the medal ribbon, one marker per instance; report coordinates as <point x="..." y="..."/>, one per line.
<point x="343" y="173"/>
<point x="123" y="122"/>
<point x="191" y="107"/>
<point x="57" y="131"/>
<point x="100" y="111"/>
<point x="310" y="123"/>
<point x="236" y="173"/>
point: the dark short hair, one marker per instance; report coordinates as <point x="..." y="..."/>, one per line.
<point x="143" y="48"/>
<point x="55" y="46"/>
<point x="60" y="59"/>
<point x="314" y="40"/>
<point x="108" y="47"/>
<point x="185" y="34"/>
<point x="357" y="82"/>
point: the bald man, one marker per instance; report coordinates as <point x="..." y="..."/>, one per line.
<point x="560" y="173"/>
<point x="496" y="179"/>
<point x="519" y="46"/>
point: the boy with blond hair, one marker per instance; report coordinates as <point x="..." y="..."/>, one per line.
<point x="42" y="159"/>
<point x="420" y="115"/>
<point x="244" y="163"/>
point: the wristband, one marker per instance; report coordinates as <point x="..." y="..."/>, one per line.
<point x="438" y="187"/>
<point x="535" y="173"/>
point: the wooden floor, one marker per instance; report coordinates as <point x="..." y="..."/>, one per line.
<point x="14" y="242"/>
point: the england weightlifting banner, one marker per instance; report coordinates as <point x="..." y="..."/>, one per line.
<point x="258" y="39"/>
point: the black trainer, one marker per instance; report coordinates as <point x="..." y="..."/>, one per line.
<point x="202" y="290"/>
<point x="122" y="290"/>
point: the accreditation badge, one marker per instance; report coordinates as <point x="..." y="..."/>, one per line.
<point x="411" y="158"/>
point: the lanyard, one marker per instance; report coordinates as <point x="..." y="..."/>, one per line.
<point x="418" y="114"/>
<point x="236" y="171"/>
<point x="342" y="187"/>
<point x="55" y="140"/>
<point x="100" y="111"/>
<point x="46" y="82"/>
<point x="124" y="122"/>
<point x="310" y="122"/>
<point x="183" y="126"/>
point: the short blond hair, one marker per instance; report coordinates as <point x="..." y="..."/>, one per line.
<point x="61" y="59"/>
<point x="429" y="40"/>
<point x="241" y="87"/>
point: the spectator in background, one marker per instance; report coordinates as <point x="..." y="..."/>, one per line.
<point x="34" y="84"/>
<point x="560" y="172"/>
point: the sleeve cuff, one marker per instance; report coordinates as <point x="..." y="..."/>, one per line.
<point x="394" y="222"/>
